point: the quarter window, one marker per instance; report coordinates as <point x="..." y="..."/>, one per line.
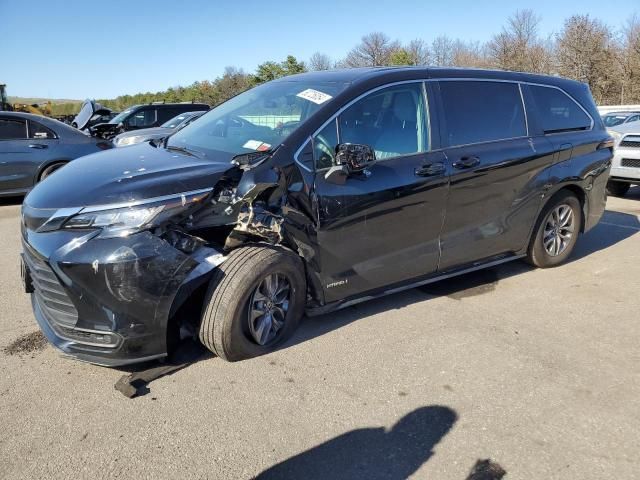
<point x="558" y="112"/>
<point x="11" y="129"/>
<point x="39" y="131"/>
<point x="482" y="111"/>
<point x="324" y="145"/>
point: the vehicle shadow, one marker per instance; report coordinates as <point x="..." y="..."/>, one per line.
<point x="6" y="201"/>
<point x="613" y="228"/>
<point x="372" y="453"/>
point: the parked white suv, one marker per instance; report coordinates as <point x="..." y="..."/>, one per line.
<point x="625" y="168"/>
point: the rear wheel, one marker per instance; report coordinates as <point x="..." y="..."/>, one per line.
<point x="556" y="231"/>
<point x="48" y="170"/>
<point x="254" y="303"/>
<point x="617" y="189"/>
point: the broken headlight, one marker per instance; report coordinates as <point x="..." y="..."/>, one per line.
<point x="130" y="218"/>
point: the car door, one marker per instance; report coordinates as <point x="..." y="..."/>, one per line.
<point x="24" y="146"/>
<point x="381" y="226"/>
<point x="497" y="171"/>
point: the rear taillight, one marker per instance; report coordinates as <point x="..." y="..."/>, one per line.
<point x="608" y="143"/>
<point x="104" y="145"/>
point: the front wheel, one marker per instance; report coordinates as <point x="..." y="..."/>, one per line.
<point x="617" y="189"/>
<point x="556" y="231"/>
<point x="254" y="303"/>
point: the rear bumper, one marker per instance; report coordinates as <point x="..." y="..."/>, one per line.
<point x="109" y="301"/>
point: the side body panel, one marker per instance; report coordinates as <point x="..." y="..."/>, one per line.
<point x="382" y="228"/>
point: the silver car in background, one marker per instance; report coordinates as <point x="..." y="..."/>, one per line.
<point x="625" y="167"/>
<point x="144" y="135"/>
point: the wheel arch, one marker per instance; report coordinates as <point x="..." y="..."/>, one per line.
<point x="43" y="166"/>
<point x="579" y="192"/>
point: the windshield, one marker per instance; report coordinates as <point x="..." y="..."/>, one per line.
<point x="613" y="120"/>
<point x="177" y="120"/>
<point x="121" y="116"/>
<point x="258" y="119"/>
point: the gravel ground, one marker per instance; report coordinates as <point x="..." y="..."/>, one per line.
<point x="537" y="370"/>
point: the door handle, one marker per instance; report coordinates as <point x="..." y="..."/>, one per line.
<point x="39" y="146"/>
<point x="466" y="162"/>
<point x="430" y="169"/>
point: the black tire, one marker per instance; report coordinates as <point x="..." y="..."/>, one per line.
<point x="537" y="254"/>
<point x="224" y="328"/>
<point x="617" y="189"/>
<point x="49" y="169"/>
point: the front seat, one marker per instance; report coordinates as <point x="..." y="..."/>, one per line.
<point x="400" y="134"/>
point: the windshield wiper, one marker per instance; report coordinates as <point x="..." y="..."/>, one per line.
<point x="188" y="151"/>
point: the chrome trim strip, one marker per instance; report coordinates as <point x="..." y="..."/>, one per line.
<point x="144" y="201"/>
<point x="524" y="109"/>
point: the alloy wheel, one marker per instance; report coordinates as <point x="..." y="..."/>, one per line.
<point x="268" y="308"/>
<point x="558" y="230"/>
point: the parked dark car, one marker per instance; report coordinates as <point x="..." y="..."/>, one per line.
<point x="157" y="133"/>
<point x="310" y="193"/>
<point x="144" y="116"/>
<point x="32" y="147"/>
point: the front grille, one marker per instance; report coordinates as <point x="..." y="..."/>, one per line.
<point x="630" y="142"/>
<point x="52" y="298"/>
<point x="630" y="162"/>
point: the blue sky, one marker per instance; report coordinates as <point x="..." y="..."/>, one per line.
<point x="101" y="49"/>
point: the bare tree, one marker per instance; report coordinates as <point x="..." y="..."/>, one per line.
<point x="628" y="55"/>
<point x="518" y="46"/>
<point x="374" y="50"/>
<point x="584" y="52"/>
<point x="320" y="61"/>
<point x="468" y="54"/>
<point x="441" y="51"/>
<point x="418" y="51"/>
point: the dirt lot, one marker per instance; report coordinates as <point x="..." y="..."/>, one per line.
<point x="538" y="370"/>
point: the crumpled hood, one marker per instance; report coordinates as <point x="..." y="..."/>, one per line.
<point x="126" y="174"/>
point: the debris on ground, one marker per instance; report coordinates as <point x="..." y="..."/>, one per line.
<point x="28" y="343"/>
<point x="135" y="384"/>
<point x="486" y="470"/>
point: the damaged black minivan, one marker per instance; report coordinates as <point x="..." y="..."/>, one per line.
<point x="308" y="194"/>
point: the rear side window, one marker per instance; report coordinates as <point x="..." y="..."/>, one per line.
<point x="482" y="111"/>
<point x="37" y="130"/>
<point x="11" y="129"/>
<point x="143" y="118"/>
<point x="558" y="112"/>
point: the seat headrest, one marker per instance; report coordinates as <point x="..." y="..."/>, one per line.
<point x="404" y="107"/>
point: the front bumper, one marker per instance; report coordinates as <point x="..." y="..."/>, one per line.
<point x="626" y="164"/>
<point x="109" y="301"/>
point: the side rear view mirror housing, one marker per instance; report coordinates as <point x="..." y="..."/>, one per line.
<point x="350" y="159"/>
<point x="354" y="156"/>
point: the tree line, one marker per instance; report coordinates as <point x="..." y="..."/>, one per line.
<point x="584" y="49"/>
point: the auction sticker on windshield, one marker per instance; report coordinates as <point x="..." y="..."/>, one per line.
<point x="257" y="145"/>
<point x="314" y="96"/>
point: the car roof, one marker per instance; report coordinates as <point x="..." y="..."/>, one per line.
<point x="356" y="75"/>
<point x="56" y="125"/>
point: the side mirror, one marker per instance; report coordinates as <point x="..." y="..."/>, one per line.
<point x="350" y="158"/>
<point x="354" y="156"/>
